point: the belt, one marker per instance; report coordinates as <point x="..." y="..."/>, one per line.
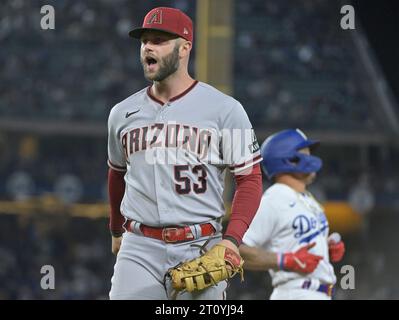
<point x="171" y="234"/>
<point x="328" y="289"/>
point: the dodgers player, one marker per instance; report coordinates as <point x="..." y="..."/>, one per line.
<point x="289" y="234"/>
<point x="168" y="148"/>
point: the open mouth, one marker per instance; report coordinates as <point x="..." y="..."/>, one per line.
<point x="150" y="61"/>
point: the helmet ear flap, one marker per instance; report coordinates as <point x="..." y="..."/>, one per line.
<point x="309" y="163"/>
<point x="294" y="160"/>
<point x="301" y="163"/>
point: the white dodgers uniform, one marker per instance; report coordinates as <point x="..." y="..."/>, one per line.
<point x="286" y="221"/>
<point x="174" y="155"/>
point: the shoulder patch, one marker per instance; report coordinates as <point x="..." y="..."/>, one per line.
<point x="254" y="146"/>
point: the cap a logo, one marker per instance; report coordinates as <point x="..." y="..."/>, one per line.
<point x="155" y="18"/>
<point x="185" y="31"/>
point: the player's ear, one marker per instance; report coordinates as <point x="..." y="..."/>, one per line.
<point x="184" y="47"/>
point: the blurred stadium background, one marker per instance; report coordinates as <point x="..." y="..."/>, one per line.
<point x="287" y="61"/>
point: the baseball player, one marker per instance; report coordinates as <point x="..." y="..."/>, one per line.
<point x="289" y="234"/>
<point x="168" y="148"/>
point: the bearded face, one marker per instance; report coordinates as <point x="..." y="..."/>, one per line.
<point x="157" y="67"/>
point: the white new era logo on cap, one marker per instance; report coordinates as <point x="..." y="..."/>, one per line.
<point x="185" y="31"/>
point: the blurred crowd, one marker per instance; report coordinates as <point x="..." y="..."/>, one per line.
<point x="78" y="249"/>
<point x="77" y="71"/>
<point x="72" y="169"/>
<point x="295" y="65"/>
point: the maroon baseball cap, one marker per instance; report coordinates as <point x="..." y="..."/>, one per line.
<point x="166" y="19"/>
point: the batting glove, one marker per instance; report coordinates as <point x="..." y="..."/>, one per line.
<point x="301" y="261"/>
<point x="336" y="247"/>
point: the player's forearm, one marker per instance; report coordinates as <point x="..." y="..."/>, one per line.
<point x="116" y="190"/>
<point x="257" y="259"/>
<point x="245" y="204"/>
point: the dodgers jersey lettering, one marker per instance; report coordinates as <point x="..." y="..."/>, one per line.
<point x="175" y="154"/>
<point x="287" y="220"/>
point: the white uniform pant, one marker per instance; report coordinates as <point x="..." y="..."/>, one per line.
<point x="292" y="290"/>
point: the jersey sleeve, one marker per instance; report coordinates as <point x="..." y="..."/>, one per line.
<point x="116" y="155"/>
<point x="240" y="148"/>
<point x="260" y="231"/>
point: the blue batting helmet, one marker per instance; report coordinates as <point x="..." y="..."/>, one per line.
<point x="280" y="153"/>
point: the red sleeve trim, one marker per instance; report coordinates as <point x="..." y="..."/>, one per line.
<point x="246" y="166"/>
<point x="115" y="167"/>
<point x="245" y="203"/>
<point x="258" y="157"/>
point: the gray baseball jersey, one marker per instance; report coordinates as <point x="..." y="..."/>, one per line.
<point x="175" y="154"/>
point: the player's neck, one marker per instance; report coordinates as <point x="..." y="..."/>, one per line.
<point x="292" y="182"/>
<point x="171" y="86"/>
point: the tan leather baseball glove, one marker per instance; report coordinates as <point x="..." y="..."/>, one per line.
<point x="218" y="264"/>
